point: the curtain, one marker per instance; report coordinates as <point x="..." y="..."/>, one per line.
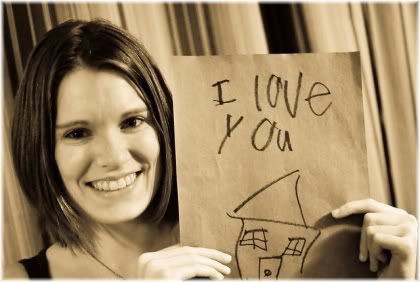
<point x="385" y="35"/>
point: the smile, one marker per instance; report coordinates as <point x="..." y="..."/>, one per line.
<point x="115" y="184"/>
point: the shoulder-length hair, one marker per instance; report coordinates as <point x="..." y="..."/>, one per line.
<point x="99" y="45"/>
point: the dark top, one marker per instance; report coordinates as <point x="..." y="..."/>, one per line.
<point x="37" y="266"/>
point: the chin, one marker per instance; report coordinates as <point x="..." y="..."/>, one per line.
<point x="118" y="216"/>
<point x="120" y="212"/>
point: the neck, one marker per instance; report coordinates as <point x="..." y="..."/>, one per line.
<point x="120" y="245"/>
<point x="129" y="235"/>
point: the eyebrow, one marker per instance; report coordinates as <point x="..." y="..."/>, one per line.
<point x="71" y="124"/>
<point x="83" y="123"/>
<point x="135" y="112"/>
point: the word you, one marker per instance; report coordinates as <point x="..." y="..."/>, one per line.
<point x="274" y="87"/>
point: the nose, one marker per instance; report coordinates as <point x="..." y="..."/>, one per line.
<point x="111" y="150"/>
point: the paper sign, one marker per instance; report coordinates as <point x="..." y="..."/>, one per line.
<point x="266" y="147"/>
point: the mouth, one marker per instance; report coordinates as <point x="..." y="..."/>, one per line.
<point x="105" y="185"/>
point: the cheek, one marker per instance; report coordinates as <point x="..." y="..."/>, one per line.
<point x="72" y="164"/>
<point x="146" y="150"/>
<point x="146" y="147"/>
<point x="153" y="149"/>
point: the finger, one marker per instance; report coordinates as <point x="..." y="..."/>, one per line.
<point x="396" y="230"/>
<point x="376" y="250"/>
<point x="191" y="260"/>
<point x="373" y="250"/>
<point x="363" y="244"/>
<point x="206" y="252"/>
<point x="189" y="272"/>
<point x="397" y="245"/>
<point x="373" y="263"/>
<point x="369" y="219"/>
<point x="362" y="206"/>
<point x="367" y="231"/>
<point x="375" y="223"/>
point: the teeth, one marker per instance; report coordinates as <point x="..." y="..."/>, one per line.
<point x="121" y="182"/>
<point x="112" y="185"/>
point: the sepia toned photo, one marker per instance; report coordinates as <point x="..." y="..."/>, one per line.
<point x="209" y="140"/>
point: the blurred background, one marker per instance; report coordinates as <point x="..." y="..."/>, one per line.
<point x="384" y="33"/>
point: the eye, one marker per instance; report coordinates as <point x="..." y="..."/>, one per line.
<point x="77" y="133"/>
<point x="132" y="122"/>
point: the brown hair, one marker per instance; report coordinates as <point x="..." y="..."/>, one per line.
<point x="99" y="45"/>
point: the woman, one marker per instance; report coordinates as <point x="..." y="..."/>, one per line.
<point x="93" y="146"/>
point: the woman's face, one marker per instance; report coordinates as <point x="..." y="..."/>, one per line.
<point x="107" y="150"/>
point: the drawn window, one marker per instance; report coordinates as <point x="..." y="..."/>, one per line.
<point x="295" y="247"/>
<point x="255" y="238"/>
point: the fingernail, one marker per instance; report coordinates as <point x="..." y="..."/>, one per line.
<point x="228" y="257"/>
<point x="335" y="213"/>
<point x="362" y="258"/>
<point x="227" y="270"/>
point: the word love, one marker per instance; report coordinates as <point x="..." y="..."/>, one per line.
<point x="268" y="128"/>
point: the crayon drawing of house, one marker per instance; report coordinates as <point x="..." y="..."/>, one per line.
<point x="274" y="241"/>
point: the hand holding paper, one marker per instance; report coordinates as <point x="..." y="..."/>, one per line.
<point x="183" y="263"/>
<point x="385" y="228"/>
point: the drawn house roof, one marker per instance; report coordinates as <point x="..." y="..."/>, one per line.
<point x="277" y="200"/>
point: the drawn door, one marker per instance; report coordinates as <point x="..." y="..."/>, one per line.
<point x="269" y="267"/>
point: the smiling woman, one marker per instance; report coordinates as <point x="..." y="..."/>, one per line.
<point x="93" y="143"/>
<point x="107" y="150"/>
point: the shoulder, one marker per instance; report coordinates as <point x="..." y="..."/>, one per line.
<point x="14" y="270"/>
<point x="66" y="263"/>
<point x="59" y="259"/>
